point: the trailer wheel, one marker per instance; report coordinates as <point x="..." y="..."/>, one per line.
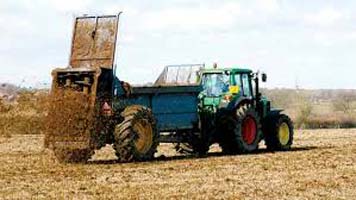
<point x="184" y="148"/>
<point x="243" y="131"/>
<point x="195" y="146"/>
<point x="279" y="132"/>
<point x="73" y="155"/>
<point x="136" y="138"/>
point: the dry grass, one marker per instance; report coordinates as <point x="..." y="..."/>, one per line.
<point x="322" y="165"/>
<point x="316" y="108"/>
<point x="25" y="115"/>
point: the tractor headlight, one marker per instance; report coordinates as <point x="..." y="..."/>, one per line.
<point x="227" y="98"/>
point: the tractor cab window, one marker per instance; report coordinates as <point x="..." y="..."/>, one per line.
<point x="215" y="84"/>
<point x="246" y="86"/>
<point x="237" y="80"/>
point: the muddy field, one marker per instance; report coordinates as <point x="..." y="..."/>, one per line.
<point x="322" y="165"/>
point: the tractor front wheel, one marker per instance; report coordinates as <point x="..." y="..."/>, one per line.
<point x="136" y="138"/>
<point x="278" y="132"/>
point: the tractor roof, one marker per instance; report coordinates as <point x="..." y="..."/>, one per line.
<point x="220" y="70"/>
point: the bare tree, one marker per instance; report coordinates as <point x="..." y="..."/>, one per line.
<point x="344" y="103"/>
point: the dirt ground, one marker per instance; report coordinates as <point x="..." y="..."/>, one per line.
<point x="322" y="165"/>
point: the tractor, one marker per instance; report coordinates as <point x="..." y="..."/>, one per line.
<point x="191" y="106"/>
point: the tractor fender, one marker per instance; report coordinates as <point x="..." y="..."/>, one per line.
<point x="232" y="106"/>
<point x="237" y="102"/>
<point x="274" y="113"/>
<point x="271" y="115"/>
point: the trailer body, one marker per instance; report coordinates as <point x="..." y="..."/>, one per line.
<point x="174" y="107"/>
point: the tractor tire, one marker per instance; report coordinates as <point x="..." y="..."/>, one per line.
<point x="278" y="131"/>
<point x="136" y="137"/>
<point x="243" y="131"/>
<point x="73" y="155"/>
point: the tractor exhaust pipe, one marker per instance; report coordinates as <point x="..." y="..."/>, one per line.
<point x="257" y="88"/>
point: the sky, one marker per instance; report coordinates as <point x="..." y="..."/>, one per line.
<point x="309" y="44"/>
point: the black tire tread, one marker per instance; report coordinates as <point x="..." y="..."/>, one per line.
<point x="125" y="136"/>
<point x="232" y="142"/>
<point x="271" y="132"/>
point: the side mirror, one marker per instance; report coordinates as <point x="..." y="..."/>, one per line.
<point x="264" y="77"/>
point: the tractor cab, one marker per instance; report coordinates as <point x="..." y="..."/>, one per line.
<point x="222" y="86"/>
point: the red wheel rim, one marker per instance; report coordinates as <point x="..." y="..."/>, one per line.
<point x="249" y="131"/>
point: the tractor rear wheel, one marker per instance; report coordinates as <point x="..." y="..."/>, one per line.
<point x="279" y="132"/>
<point x="73" y="155"/>
<point x="136" y="138"/>
<point x="243" y="134"/>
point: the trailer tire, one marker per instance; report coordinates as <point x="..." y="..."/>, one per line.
<point x="243" y="131"/>
<point x="184" y="148"/>
<point x="278" y="132"/>
<point x="136" y="137"/>
<point x="194" y="147"/>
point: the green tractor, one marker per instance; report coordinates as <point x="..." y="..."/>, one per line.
<point x="189" y="105"/>
<point x="241" y="116"/>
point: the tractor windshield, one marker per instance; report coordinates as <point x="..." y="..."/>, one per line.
<point x="215" y="84"/>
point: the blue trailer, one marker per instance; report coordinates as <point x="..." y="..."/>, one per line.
<point x="173" y="100"/>
<point x="174" y="107"/>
